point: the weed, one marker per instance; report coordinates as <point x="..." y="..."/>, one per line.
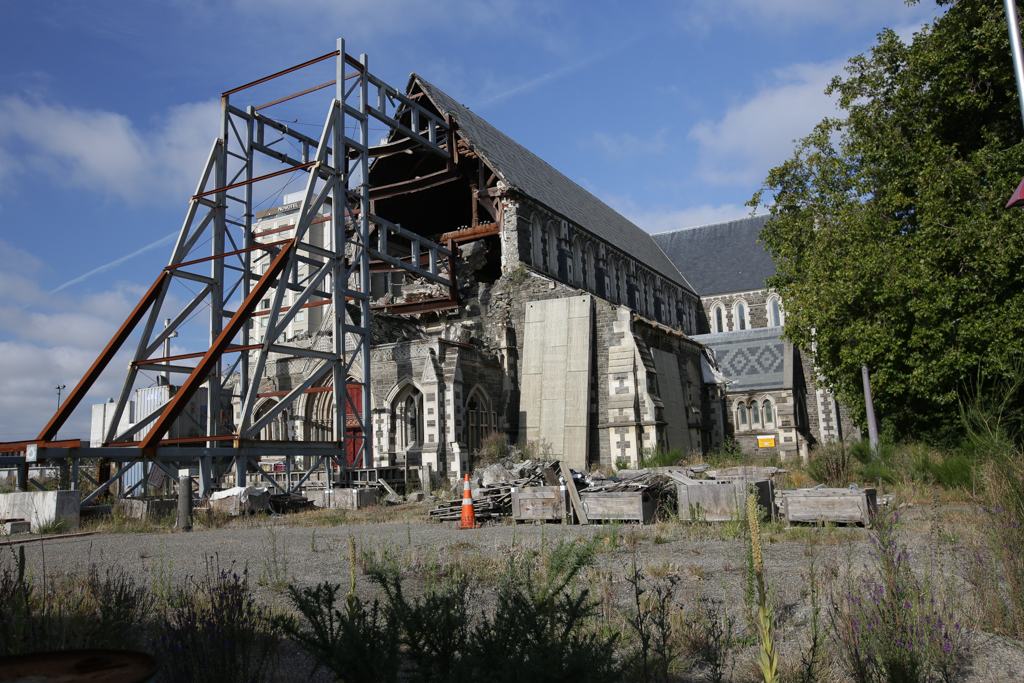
<point x="707" y="636"/>
<point x="655" y="652"/>
<point x="215" y="631"/>
<point x="698" y="572"/>
<point x="76" y="612"/>
<point x="608" y="535"/>
<point x="768" y="656"/>
<point x="812" y="659"/>
<point x="632" y="537"/>
<point x="52" y="526"/>
<point x="656" y="457"/>
<point x="663" y="570"/>
<point x="275" y="563"/>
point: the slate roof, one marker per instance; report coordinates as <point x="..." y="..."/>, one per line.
<point x="753" y="359"/>
<point x="720" y="258"/>
<point x="535" y="178"/>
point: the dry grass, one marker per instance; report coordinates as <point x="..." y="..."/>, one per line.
<point x="117" y="522"/>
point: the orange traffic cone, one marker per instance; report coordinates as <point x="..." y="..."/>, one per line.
<point x="468" y="513"/>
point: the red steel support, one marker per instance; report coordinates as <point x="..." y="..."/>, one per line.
<point x="219" y="347"/>
<point x="79" y="392"/>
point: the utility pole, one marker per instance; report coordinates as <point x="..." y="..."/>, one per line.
<point x="1017" y="55"/>
<point x="60" y="388"/>
<point x="869" y="407"/>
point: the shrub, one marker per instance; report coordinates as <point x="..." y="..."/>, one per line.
<point x="891" y="626"/>
<point x="832" y="464"/>
<point x="657" y="457"/>
<point x="352" y="642"/>
<point x="495" y="447"/>
<point x="538" y="630"/>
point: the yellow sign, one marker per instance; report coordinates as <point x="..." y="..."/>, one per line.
<point x="766" y="442"/>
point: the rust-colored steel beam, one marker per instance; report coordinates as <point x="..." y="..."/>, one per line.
<point x="415" y="185"/>
<point x="188" y="389"/>
<point x="17" y="446"/>
<point x="313" y="304"/>
<point x="182" y="440"/>
<point x="313" y="390"/>
<point x="300" y="93"/>
<point x="90" y="377"/>
<point x="230" y="349"/>
<point x="467" y="234"/>
<point x="268" y="245"/>
<point x="283" y="228"/>
<point x="282" y="73"/>
<point x="256" y="180"/>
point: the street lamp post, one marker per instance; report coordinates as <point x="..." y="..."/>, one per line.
<point x="60" y="388"/>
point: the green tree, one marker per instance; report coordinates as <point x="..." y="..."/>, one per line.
<point x="888" y="227"/>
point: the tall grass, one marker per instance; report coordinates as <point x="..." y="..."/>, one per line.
<point x="992" y="422"/>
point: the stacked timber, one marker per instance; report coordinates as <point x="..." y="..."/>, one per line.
<point x="489" y="501"/>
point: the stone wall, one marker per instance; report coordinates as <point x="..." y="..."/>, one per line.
<point x="757" y="310"/>
<point x="626" y="411"/>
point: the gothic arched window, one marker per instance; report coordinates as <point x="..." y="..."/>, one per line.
<point x="739" y="313"/>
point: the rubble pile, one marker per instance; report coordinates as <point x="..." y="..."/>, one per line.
<point x="492" y="492"/>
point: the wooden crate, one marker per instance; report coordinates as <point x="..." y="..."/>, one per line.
<point x="540" y="503"/>
<point x="839" y="506"/>
<point x="722" y="500"/>
<point x="622" y="505"/>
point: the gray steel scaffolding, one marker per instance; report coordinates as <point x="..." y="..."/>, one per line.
<point x="336" y="275"/>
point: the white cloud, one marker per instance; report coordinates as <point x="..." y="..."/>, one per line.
<point x="664" y="221"/>
<point x="47" y="340"/>
<point x="660" y="219"/>
<point x="755" y="135"/>
<point x="629" y="145"/>
<point x="107" y="152"/>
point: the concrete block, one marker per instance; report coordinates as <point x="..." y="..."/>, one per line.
<point x="41" y="507"/>
<point x="150" y="508"/>
<point x="241" y="500"/>
<point x="345" y="499"/>
<point x="15" y="526"/>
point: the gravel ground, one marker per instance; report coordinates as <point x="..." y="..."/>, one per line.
<point x="700" y="562"/>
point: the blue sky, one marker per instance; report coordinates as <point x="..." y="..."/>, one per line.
<point x="671" y="112"/>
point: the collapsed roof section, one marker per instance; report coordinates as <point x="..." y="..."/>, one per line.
<point x="493" y="157"/>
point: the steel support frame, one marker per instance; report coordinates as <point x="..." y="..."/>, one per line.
<point x="337" y="169"/>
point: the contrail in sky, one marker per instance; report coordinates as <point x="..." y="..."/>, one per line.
<point x="551" y="75"/>
<point x="107" y="266"/>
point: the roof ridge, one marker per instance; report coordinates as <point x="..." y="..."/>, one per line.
<point x="711" y="225"/>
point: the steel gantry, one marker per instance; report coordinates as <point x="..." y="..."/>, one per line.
<point x="334" y="273"/>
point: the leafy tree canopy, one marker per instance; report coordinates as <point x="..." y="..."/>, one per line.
<point x="888" y="227"/>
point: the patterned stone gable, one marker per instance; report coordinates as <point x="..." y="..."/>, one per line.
<point x="753" y="359"/>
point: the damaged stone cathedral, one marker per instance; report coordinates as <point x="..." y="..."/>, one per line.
<point x="569" y="327"/>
